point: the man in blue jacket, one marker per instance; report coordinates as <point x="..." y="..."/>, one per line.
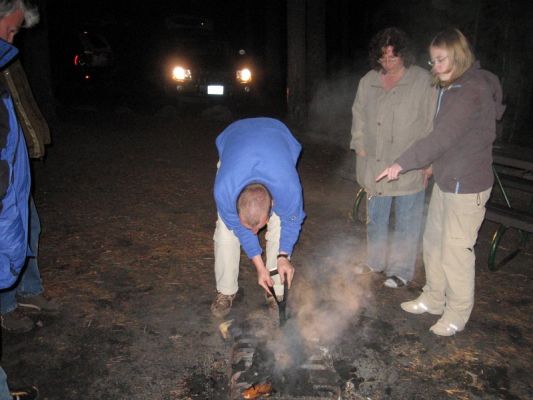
<point x="256" y="185"/>
<point x="15" y="178"/>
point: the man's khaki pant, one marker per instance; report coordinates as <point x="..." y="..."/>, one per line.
<point x="452" y="226"/>
<point x="228" y="254"/>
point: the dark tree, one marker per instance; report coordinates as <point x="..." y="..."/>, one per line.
<point x="316" y="46"/>
<point x="296" y="66"/>
<point x="274" y="43"/>
<point x="35" y="55"/>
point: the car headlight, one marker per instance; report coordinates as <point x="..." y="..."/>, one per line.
<point x="244" y="75"/>
<point x="181" y="74"/>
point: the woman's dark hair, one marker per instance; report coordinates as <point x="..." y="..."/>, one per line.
<point x="400" y="42"/>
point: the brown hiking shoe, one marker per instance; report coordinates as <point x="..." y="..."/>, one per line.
<point x="30" y="393"/>
<point x="222" y="304"/>
<point x="16" y="321"/>
<point x="39" y="303"/>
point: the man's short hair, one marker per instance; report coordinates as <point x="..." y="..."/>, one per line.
<point x="254" y="202"/>
<point x="31" y="14"/>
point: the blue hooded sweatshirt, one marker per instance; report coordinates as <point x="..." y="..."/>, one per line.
<point x="259" y="150"/>
<point x="15" y="185"/>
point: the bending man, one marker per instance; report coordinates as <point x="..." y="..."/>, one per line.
<point x="256" y="185"/>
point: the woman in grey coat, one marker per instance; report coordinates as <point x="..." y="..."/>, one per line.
<point x="393" y="108"/>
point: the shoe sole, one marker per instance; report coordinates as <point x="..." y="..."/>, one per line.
<point x="19" y="330"/>
<point x="25" y="394"/>
<point x="37" y="308"/>
<point x="219" y="315"/>
<point x="445" y="333"/>
<point x="442" y="334"/>
<point x="416" y="312"/>
<point x="29" y="305"/>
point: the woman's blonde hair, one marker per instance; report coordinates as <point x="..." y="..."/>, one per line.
<point x="459" y="51"/>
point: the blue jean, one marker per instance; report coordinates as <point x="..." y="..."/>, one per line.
<point x="4" y="389"/>
<point x="29" y="283"/>
<point x="395" y="255"/>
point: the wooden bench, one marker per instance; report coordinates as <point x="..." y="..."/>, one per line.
<point x="516" y="182"/>
<point x="509" y="217"/>
<point x="504" y="215"/>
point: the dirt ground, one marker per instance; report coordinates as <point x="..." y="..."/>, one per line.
<point x="125" y="201"/>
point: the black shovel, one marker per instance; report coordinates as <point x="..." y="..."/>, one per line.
<point x="282" y="305"/>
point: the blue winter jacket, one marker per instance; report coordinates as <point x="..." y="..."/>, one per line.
<point x="260" y="150"/>
<point x="15" y="184"/>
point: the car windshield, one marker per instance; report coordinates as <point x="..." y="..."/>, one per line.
<point x="203" y="47"/>
<point x="91" y="41"/>
<point x="186" y="23"/>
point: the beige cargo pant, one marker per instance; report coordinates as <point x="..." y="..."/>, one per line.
<point x="451" y="231"/>
<point x="228" y="254"/>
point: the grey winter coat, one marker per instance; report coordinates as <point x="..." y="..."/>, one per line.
<point x="385" y="123"/>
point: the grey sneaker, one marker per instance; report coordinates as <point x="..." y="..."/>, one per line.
<point x="363" y="269"/>
<point x="222" y="304"/>
<point x="30" y="393"/>
<point x="39" y="303"/>
<point x="16" y="321"/>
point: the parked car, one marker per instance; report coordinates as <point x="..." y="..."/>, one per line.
<point x="93" y="56"/>
<point x="194" y="61"/>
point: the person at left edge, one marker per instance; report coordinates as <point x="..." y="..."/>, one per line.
<point x="15" y="178"/>
<point x="28" y="293"/>
<point x="257" y="184"/>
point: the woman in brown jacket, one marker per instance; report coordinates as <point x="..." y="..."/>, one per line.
<point x="460" y="151"/>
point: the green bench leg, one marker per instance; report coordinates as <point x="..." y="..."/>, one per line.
<point x="357" y="204"/>
<point x="493" y="266"/>
<point x="496" y="241"/>
<point x="494" y="246"/>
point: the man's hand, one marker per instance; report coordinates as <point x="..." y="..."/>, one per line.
<point x="264" y="280"/>
<point x="263" y="275"/>
<point x="285" y="270"/>
<point x="391" y="173"/>
<point x="361" y="153"/>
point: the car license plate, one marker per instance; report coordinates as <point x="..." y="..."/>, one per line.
<point x="215" y="89"/>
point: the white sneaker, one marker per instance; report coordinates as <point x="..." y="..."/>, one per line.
<point x="394" y="282"/>
<point x="418" y="307"/>
<point x="444" y="328"/>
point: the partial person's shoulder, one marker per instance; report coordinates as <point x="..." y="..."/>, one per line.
<point x="420" y="74"/>
<point x="369" y="78"/>
<point x="490" y="79"/>
<point x="471" y="81"/>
